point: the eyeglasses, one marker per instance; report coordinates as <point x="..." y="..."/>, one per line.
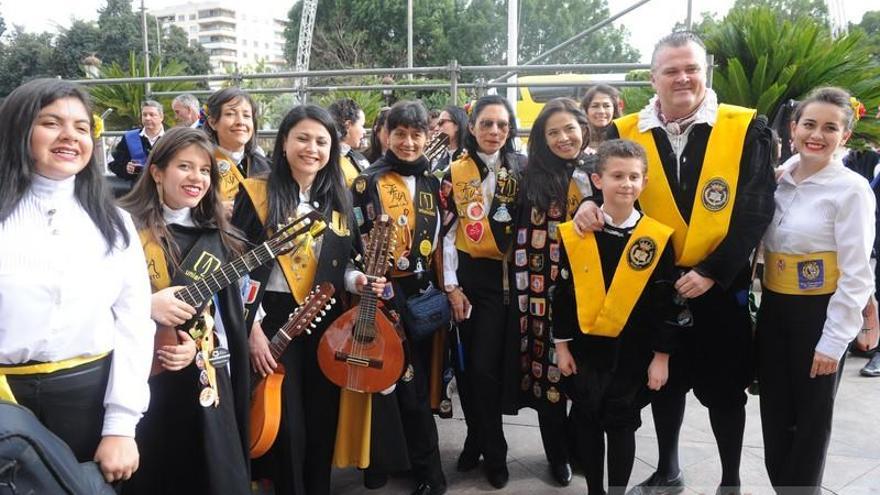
<point x="486" y="125"/>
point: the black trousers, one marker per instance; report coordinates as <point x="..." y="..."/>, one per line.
<point x="482" y="338"/>
<point x="796" y="410"/>
<point x="299" y="461"/>
<point x="70" y="403"/>
<point x="414" y="398"/>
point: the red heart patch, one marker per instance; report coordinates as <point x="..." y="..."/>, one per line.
<point x="474" y="231"/>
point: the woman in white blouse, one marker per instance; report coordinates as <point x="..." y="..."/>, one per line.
<point x="817" y="279"/>
<point x="75" y="329"/>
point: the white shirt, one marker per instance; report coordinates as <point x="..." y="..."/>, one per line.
<point x="832" y="210"/>
<point x="450" y="252"/>
<point x="63" y="296"/>
<point x="152" y="139"/>
<point x="707" y="113"/>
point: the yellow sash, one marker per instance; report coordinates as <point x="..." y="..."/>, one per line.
<point x="574" y="199"/>
<point x="801" y="274"/>
<point x="349" y="170"/>
<point x="601" y="313"/>
<point x="230" y="176"/>
<point x="397" y="203"/>
<point x="298" y="269"/>
<point x="157" y="267"/>
<point x="40" y="369"/>
<point x="716" y="189"/>
<point x="467" y="189"/>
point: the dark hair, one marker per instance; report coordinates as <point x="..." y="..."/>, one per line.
<point x="620" y="148"/>
<point x="20" y="110"/>
<point x="344" y="110"/>
<point x="471" y="141"/>
<point x="375" y="150"/>
<point x="329" y="185"/>
<point x="407" y="113"/>
<point x="433" y="114"/>
<point x="145" y="204"/>
<point x="460" y="118"/>
<point x="546" y="180"/>
<point x="833" y="96"/>
<point x="675" y="40"/>
<point x="215" y="107"/>
<point x="598" y="135"/>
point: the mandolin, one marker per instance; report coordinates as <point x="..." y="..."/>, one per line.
<point x="266" y="396"/>
<point x="289" y="237"/>
<point x="362" y="350"/>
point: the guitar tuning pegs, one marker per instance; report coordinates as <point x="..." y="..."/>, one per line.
<point x="332" y="300"/>
<point x="327" y="307"/>
<point x="323" y="313"/>
<point x="318" y="320"/>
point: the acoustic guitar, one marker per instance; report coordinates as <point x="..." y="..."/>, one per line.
<point x="362" y="350"/>
<point x="266" y="396"/>
<point x="288" y="237"/>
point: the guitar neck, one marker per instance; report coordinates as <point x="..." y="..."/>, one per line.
<point x="199" y="292"/>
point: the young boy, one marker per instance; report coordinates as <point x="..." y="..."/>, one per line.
<point x="615" y="287"/>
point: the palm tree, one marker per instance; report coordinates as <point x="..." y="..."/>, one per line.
<point x="763" y="61"/>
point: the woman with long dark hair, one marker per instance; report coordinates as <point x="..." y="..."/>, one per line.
<point x="453" y="122"/>
<point x="75" y="329"/>
<point x="198" y="411"/>
<point x="601" y="103"/>
<point x="305" y="176"/>
<point x="349" y="119"/>
<point x="555" y="181"/>
<point x="232" y="122"/>
<point x="479" y="194"/>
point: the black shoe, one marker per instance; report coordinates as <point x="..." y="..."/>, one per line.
<point x="658" y="485"/>
<point x="467" y="460"/>
<point x="429" y="489"/>
<point x="873" y="366"/>
<point x="561" y="473"/>
<point x="374" y="481"/>
<point x="728" y="490"/>
<point x="498" y="476"/>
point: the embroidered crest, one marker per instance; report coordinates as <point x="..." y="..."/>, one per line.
<point x="537" y="283"/>
<point x="360" y="185"/>
<point x="537" y="369"/>
<point x="642" y="253"/>
<point x="522" y="280"/>
<point x="811" y="274"/>
<point x="553" y="395"/>
<point x="520" y="258"/>
<point x="716" y="194"/>
<point x="537" y="216"/>
<point x="538" y="306"/>
<point x="538" y="327"/>
<point x="536" y="262"/>
<point x="553" y="375"/>
<point x="539" y="239"/>
<point x="521" y="236"/>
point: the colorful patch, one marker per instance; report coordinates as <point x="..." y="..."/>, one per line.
<point x="522" y="280"/>
<point x="642" y="253"/>
<point x="554" y="272"/>
<point x="360" y="185"/>
<point x="521" y="236"/>
<point x="520" y="258"/>
<point x="538" y="349"/>
<point x="536" y="262"/>
<point x="371" y="212"/>
<point x="425" y="247"/>
<point x="537" y="283"/>
<point x="474" y="231"/>
<point x="554" y="252"/>
<point x="539" y="239"/>
<point x="359" y="216"/>
<point x="402" y="263"/>
<point x="523" y="303"/>
<point x="475" y="211"/>
<point x="553" y="395"/>
<point x="537" y="306"/>
<point x="554" y="211"/>
<point x="811" y="274"/>
<point x="553" y="230"/>
<point x="538" y="327"/>
<point x="207" y="397"/>
<point x="388" y="292"/>
<point x="251" y="290"/>
<point x="716" y="194"/>
<point x="537" y="370"/>
<point x="537" y="216"/>
<point x="553" y="374"/>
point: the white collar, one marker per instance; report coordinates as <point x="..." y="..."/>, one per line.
<point x="825" y="175"/>
<point x="343" y="149"/>
<point x="153" y="139"/>
<point x="629" y="223"/>
<point x="492" y="160"/>
<point x="706" y="113"/>
<point x="46" y="188"/>
<point x="235" y="155"/>
<point x="182" y="216"/>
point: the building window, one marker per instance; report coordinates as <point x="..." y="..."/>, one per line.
<point x="192" y="17"/>
<point x="181" y="18"/>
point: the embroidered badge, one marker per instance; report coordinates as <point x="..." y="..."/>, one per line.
<point x="538" y="348"/>
<point x="475" y="211"/>
<point x="537" y="370"/>
<point x="523" y="303"/>
<point x="536" y="262"/>
<point x="360" y="185"/>
<point x="536" y="389"/>
<point x="554" y="252"/>
<point x="554" y="272"/>
<point x="553" y="374"/>
<point x="642" y="253"/>
<point x="521" y="236"/>
<point x="474" y="231"/>
<point x="554" y="211"/>
<point x="537" y="216"/>
<point x="553" y="395"/>
<point x="537" y="283"/>
<point x="811" y="274"/>
<point x="250" y="294"/>
<point x="425" y="247"/>
<point x="537" y="306"/>
<point x="716" y="194"/>
<point x="539" y="239"/>
<point x="553" y="230"/>
<point x="523" y="324"/>
<point x="538" y="327"/>
<point x="520" y="258"/>
<point x="522" y="280"/>
<point x="409" y="374"/>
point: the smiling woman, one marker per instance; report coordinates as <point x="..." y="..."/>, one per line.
<point x="65" y="349"/>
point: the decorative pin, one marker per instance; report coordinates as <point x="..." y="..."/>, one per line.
<point x="208" y="397"/>
<point x="224" y="166"/>
<point x="402" y="220"/>
<point x="501" y="214"/>
<point x="402" y="263"/>
<point x="425" y="247"/>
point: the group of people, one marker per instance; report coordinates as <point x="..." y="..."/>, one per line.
<point x="606" y="268"/>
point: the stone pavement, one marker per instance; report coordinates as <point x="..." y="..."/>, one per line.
<point x="852" y="467"/>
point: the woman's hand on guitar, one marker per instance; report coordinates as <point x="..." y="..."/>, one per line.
<point x="261" y="357"/>
<point x="362" y="284"/>
<point x="168" y="310"/>
<point x="177" y="357"/>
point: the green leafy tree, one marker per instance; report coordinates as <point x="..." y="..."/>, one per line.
<point x="762" y="62"/>
<point x="72" y="45"/>
<point x="176" y="46"/>
<point x="125" y="99"/>
<point x="790" y="9"/>
<point x="870" y="25"/>
<point x="26" y="56"/>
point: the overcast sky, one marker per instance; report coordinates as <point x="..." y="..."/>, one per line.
<point x="646" y="24"/>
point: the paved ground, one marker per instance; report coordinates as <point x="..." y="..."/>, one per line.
<point x="852" y="468"/>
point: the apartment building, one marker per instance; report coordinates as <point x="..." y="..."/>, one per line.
<point x="234" y="37"/>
